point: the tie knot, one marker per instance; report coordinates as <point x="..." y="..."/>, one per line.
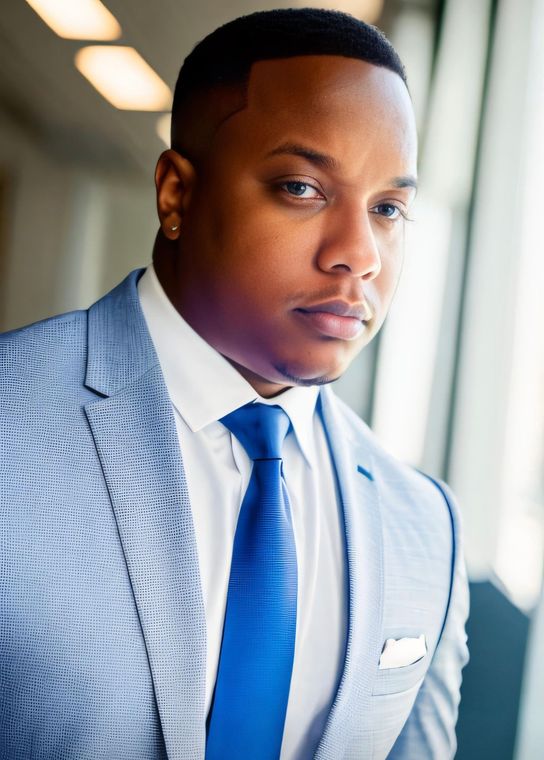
<point x="260" y="428"/>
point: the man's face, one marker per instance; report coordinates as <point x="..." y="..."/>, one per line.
<point x="297" y="212"/>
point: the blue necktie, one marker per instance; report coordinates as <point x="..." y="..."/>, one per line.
<point x="254" y="674"/>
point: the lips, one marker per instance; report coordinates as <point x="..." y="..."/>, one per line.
<point x="359" y="311"/>
<point x="336" y="319"/>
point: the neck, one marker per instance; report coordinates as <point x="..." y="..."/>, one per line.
<point x="165" y="253"/>
<point x="264" y="388"/>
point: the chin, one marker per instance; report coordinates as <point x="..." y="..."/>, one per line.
<point x="306" y="376"/>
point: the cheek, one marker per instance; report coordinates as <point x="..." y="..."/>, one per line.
<point x="381" y="290"/>
<point x="271" y="252"/>
<point x="392" y="262"/>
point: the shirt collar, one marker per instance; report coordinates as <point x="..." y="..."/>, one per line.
<point x="203" y="386"/>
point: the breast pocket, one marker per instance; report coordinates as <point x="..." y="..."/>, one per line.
<point x="394" y="694"/>
<point x="395" y="680"/>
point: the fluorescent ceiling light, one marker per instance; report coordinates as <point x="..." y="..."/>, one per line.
<point x="78" y="19"/>
<point x="121" y="75"/>
<point x="366" y="10"/>
<point x="163" y="128"/>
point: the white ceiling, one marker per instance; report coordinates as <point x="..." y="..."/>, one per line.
<point x="45" y="94"/>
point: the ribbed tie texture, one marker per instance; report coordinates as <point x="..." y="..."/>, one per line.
<point x="247" y="715"/>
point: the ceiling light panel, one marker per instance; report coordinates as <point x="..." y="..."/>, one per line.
<point x="78" y="19"/>
<point x="121" y="75"/>
<point x="367" y="10"/>
<point x="163" y="128"/>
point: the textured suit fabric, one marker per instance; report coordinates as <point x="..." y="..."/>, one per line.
<point x="218" y="472"/>
<point x="102" y="633"/>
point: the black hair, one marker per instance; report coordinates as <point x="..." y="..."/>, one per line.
<point x="225" y="56"/>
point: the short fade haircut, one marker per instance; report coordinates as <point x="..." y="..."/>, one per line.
<point x="223" y="59"/>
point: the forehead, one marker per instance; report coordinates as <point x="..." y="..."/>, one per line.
<point x="342" y="105"/>
<point x="323" y="81"/>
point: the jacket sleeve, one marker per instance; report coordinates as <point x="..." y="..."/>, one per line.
<point x="429" y="732"/>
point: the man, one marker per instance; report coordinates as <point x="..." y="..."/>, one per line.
<point x="187" y="573"/>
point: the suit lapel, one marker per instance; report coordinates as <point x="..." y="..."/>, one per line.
<point x="363" y="532"/>
<point x="136" y="440"/>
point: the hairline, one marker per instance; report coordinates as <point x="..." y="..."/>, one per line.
<point x="241" y="85"/>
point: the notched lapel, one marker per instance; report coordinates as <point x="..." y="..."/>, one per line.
<point x="364" y="546"/>
<point x="135" y="436"/>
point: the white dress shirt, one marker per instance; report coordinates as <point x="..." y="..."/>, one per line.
<point x="203" y="387"/>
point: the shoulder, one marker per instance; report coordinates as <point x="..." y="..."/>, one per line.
<point x="44" y="355"/>
<point x="58" y="330"/>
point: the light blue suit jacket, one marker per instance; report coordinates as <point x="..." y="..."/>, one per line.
<point x="102" y="633"/>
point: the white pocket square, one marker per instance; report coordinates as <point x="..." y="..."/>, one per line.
<point x="397" y="653"/>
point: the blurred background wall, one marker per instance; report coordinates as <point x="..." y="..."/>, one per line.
<point x="454" y="384"/>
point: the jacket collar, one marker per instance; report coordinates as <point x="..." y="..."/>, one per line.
<point x="120" y="349"/>
<point x="134" y="432"/>
<point x="351" y="445"/>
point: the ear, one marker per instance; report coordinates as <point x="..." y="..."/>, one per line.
<point x="174" y="179"/>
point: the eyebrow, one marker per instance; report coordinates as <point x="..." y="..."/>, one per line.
<point x="407" y="181"/>
<point x="324" y="161"/>
<point x="313" y="156"/>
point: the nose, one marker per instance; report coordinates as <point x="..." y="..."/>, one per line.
<point x="350" y="245"/>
